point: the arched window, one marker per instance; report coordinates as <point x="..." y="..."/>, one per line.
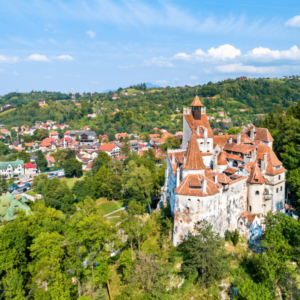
<point x="235" y="163"/>
<point x="257" y="193"/>
<point x="189" y="202"/>
<point x="187" y="210"/>
<point x="249" y="208"/>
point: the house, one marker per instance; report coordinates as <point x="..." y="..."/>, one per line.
<point x="118" y="136"/>
<point x="115" y="97"/>
<point x="133" y="94"/>
<point x="244" y="109"/>
<point x="86" y="128"/>
<point x="2" y="126"/>
<point x="66" y="141"/>
<point x="15" y="144"/>
<point x="46" y="126"/>
<point x="221" y="113"/>
<point x="51" y="161"/>
<point x="105" y="137"/>
<point x="48" y="144"/>
<point x="5" y="131"/>
<point x="213" y="108"/>
<point x="142" y="92"/>
<point x="16" y="129"/>
<point x="85" y="137"/>
<point x="42" y="102"/>
<point x="125" y="94"/>
<point x="159" y="105"/>
<point x="210" y="118"/>
<point x="111" y="149"/>
<point x="10" y="169"/>
<point x="78" y="104"/>
<point x="30" y="169"/>
<point x="33" y="158"/>
<point x="94" y="115"/>
<point x="54" y="135"/>
<point x="179" y="134"/>
<point x="116" y="110"/>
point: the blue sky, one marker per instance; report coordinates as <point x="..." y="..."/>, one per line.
<point x="95" y="45"/>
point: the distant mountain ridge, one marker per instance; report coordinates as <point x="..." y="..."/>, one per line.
<point x="148" y="85"/>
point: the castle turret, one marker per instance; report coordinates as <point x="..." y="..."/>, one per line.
<point x="256" y="186"/>
<point x="197" y="108"/>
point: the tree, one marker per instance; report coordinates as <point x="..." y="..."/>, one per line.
<point x="3" y="185"/>
<point x="83" y="188"/>
<point x="206" y="257"/>
<point x="170" y="143"/>
<point x="23" y="156"/>
<point x="57" y="195"/>
<point x="235" y="237"/>
<point x="73" y="167"/>
<point x="126" y="148"/>
<point x="137" y="183"/>
<point x="3" y="149"/>
<point x="41" y="161"/>
<point x="40" y="134"/>
<point x="103" y="159"/>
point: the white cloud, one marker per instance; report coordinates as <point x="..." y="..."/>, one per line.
<point x="16" y="73"/>
<point x="240" y="68"/>
<point x="293" y="22"/>
<point x="38" y="57"/>
<point x="65" y="57"/>
<point x="49" y="77"/>
<point x="158" y="61"/>
<point x="94" y="82"/>
<point x="265" y="54"/>
<point x="5" y="59"/>
<point x="194" y="77"/>
<point x="223" y="52"/>
<point x="91" y="33"/>
<point x="161" y="81"/>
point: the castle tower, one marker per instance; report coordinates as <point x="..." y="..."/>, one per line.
<point x="197" y="108"/>
<point x="193" y="162"/>
<point x="256" y="186"/>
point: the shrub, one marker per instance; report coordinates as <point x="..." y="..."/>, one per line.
<point x="228" y="235"/>
<point x="235" y="237"/>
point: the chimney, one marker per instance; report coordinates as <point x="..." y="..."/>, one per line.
<point x="238" y="139"/>
<point x="183" y="160"/>
<point x="230" y="140"/>
<point x="173" y="158"/>
<point x="215" y="162"/>
<point x="263" y="163"/>
<point x="252" y="133"/>
<point x="205" y="133"/>
<point x="198" y="131"/>
<point x="178" y="177"/>
<point x="253" y="156"/>
<point x="216" y="179"/>
<point x="204" y="183"/>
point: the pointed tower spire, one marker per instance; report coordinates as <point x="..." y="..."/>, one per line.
<point x="197" y="108"/>
<point x="193" y="159"/>
<point x="196" y="102"/>
<point x="222" y="161"/>
<point x="256" y="176"/>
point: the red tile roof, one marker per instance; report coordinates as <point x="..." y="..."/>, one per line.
<point x="192" y="186"/>
<point x="107" y="147"/>
<point x="29" y="165"/>
<point x="256" y="177"/>
<point x="196" y="102"/>
<point x="222" y="161"/>
<point x="193" y="156"/>
<point x="50" y="159"/>
<point x="203" y="123"/>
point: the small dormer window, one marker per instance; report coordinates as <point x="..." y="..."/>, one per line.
<point x="257" y="193"/>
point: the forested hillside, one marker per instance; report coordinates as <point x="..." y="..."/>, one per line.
<point x="157" y="107"/>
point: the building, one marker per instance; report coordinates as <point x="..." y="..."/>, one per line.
<point x="231" y="181"/>
<point x="30" y="169"/>
<point x="111" y="149"/>
<point x="10" y="169"/>
<point x="50" y="160"/>
<point x="85" y="137"/>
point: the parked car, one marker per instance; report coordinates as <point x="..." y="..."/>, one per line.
<point x="27" y="185"/>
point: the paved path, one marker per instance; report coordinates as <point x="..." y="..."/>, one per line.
<point x="123" y="208"/>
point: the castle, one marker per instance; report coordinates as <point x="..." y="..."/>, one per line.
<point x="232" y="181"/>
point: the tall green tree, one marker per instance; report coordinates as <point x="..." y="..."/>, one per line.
<point x="206" y="257"/>
<point x="73" y="167"/>
<point x="41" y="161"/>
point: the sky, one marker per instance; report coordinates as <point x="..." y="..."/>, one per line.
<point x="94" y="45"/>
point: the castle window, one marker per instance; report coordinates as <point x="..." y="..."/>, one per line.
<point x="180" y="221"/>
<point x="249" y="208"/>
<point x="241" y="223"/>
<point x="187" y="210"/>
<point x="235" y="164"/>
<point x="189" y="202"/>
<point x="257" y="193"/>
<point x="277" y="190"/>
<point x="281" y="189"/>
<point x="198" y="201"/>
<point x="279" y="177"/>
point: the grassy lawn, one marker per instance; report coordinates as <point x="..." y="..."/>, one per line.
<point x="108" y="207"/>
<point x="71" y="181"/>
<point x="131" y="91"/>
<point x="31" y="193"/>
<point x="7" y="111"/>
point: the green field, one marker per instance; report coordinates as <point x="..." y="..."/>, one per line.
<point x="109" y="207"/>
<point x="7" y="111"/>
<point x="71" y="181"/>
